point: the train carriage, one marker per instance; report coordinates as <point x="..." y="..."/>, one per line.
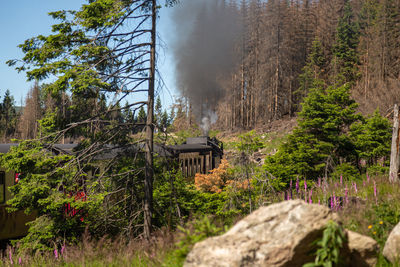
<point x="196" y="155"/>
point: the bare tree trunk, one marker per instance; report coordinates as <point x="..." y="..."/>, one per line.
<point x="394" y="156"/>
<point x="148" y="183"/>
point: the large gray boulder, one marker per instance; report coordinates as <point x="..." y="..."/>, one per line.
<point x="363" y="250"/>
<point x="278" y="235"/>
<point x="392" y="246"/>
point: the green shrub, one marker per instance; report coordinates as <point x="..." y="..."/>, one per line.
<point x="198" y="231"/>
<point x="328" y="253"/>
<point x="347" y="171"/>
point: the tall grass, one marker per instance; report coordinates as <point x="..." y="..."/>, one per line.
<point x="370" y="206"/>
<point x="104" y="252"/>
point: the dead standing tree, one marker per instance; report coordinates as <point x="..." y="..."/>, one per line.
<point x="394" y="155"/>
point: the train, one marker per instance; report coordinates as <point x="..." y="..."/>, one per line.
<point x="195" y="155"/>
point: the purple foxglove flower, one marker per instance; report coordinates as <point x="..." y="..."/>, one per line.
<point x="309" y="199"/>
<point x="305" y="184"/>
<point x="62" y="250"/>
<point x="290" y="184"/>
<point x="341" y="179"/>
<point x="56" y="253"/>
<point x="355" y="188"/>
<point x="10" y="256"/>
<point x="334" y="199"/>
<point x="331" y="202"/>
<point x="19" y="261"/>
<point x="319" y="182"/>
<point x="297" y="185"/>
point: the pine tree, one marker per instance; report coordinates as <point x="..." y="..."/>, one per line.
<point x="346" y="59"/>
<point x="321" y="140"/>
<point x="372" y="138"/>
<point x="158" y="112"/>
<point x="8" y="115"/>
<point x="314" y="71"/>
<point x="142" y="116"/>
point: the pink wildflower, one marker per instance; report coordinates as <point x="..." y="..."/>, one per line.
<point x="355" y="188"/>
<point x="10" y="256"/>
<point x="341" y="180"/>
<point x="56" y="253"/>
<point x="62" y="250"/>
<point x="305" y="184"/>
<point x="19" y="261"/>
<point x="297" y="185"/>
<point x="334" y="200"/>
<point x="319" y="182"/>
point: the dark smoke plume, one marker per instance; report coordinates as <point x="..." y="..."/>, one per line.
<point x="206" y="35"/>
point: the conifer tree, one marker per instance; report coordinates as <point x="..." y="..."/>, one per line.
<point x="372" y="138"/>
<point x="8" y="115"/>
<point x="321" y="139"/>
<point x="346" y="59"/>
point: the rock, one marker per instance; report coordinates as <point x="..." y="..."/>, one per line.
<point x="281" y="234"/>
<point x="278" y="235"/>
<point x="392" y="246"/>
<point x="363" y="250"/>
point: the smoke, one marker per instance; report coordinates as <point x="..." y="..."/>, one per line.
<point x="207" y="120"/>
<point x="206" y="35"/>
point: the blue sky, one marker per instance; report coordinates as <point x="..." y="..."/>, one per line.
<point x="22" y="19"/>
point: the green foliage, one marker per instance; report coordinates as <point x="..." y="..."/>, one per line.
<point x="377" y="170"/>
<point x="321" y="137"/>
<point x="345" y="50"/>
<point x="181" y="136"/>
<point x="346" y="170"/>
<point x="47" y="186"/>
<point x="8" y="115"/>
<point x="372" y="138"/>
<point x="383" y="218"/>
<point x="48" y="124"/>
<point x="249" y="143"/>
<point x="328" y="253"/>
<point x="312" y="74"/>
<point x="198" y="231"/>
<point x="142" y="116"/>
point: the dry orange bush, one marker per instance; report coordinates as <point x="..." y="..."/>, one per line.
<point x="215" y="180"/>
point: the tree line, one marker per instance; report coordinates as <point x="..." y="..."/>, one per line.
<point x="284" y="42"/>
<point x="43" y="113"/>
